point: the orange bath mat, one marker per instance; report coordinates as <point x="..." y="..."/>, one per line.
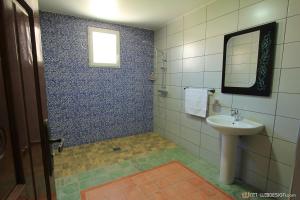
<point x="172" y="181"/>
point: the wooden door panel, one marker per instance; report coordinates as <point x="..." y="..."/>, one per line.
<point x="7" y="169"/>
<point x="25" y="54"/>
<point x="24" y="84"/>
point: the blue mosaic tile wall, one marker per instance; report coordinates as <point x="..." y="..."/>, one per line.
<point x="90" y="104"/>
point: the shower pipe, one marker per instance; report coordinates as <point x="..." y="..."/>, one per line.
<point x="163" y="68"/>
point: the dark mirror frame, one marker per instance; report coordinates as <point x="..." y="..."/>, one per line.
<point x="265" y="62"/>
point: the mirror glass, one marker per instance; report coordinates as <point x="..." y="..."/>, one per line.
<point x="241" y="60"/>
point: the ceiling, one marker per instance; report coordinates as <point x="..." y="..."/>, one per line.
<point x="148" y="14"/>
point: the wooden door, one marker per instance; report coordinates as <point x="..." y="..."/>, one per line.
<point x="25" y="94"/>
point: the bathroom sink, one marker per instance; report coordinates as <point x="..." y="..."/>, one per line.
<point x="230" y="130"/>
<point x="226" y="124"/>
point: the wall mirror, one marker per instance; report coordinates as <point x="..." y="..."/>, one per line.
<point x="248" y="61"/>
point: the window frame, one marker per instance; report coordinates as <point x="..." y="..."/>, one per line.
<point x="91" y="49"/>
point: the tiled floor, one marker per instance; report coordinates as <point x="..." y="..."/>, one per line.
<point x="82" y="167"/>
<point x="169" y="181"/>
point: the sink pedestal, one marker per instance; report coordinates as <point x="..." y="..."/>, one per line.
<point x="228" y="157"/>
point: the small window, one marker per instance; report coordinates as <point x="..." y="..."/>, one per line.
<point x="104" y="47"/>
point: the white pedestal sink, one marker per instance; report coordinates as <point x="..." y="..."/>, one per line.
<point x="230" y="130"/>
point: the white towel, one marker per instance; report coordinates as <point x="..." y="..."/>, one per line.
<point x="196" y="101"/>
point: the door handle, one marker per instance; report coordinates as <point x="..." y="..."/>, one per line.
<point x="60" y="145"/>
<point x="53" y="141"/>
<point x="2" y="143"/>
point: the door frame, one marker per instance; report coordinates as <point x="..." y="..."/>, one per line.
<point x="6" y="41"/>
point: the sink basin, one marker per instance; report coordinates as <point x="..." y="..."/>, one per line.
<point x="230" y="130"/>
<point x="226" y="125"/>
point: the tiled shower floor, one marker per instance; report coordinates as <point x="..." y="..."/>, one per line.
<point x="81" y="167"/>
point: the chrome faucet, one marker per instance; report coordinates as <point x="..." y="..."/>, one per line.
<point x="236" y="114"/>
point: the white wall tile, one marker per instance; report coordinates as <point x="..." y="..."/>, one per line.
<point x="259" y="144"/>
<point x="190" y="135"/>
<point x="244" y="3"/>
<point x="289" y="105"/>
<point x="175" y="26"/>
<point x="195" y="64"/>
<point x="205" y="128"/>
<point x="191" y="121"/>
<point x="160" y="34"/>
<point x="283" y="151"/>
<point x="222" y="25"/>
<point x="214" y="62"/>
<point x="293" y="29"/>
<point x="210" y="143"/>
<point x="219" y="8"/>
<point x="276" y="77"/>
<point x="192" y="79"/>
<point x="194" y="49"/>
<point x="289" y="80"/>
<point x="172" y="127"/>
<point x="294" y="7"/>
<point x="210" y="157"/>
<point x="160" y="44"/>
<point x="280" y="173"/>
<point x="254" y="103"/>
<point x="252" y="178"/>
<point x="196" y="17"/>
<point x="278" y="56"/>
<point x="286" y="128"/>
<point x="175" y="53"/>
<point x="212" y="79"/>
<point x="189" y="146"/>
<point x="254" y="162"/>
<point x="214" y="45"/>
<point x="173" y="116"/>
<point x="195" y="33"/>
<point x="175" y="40"/>
<point x="173" y="104"/>
<point x="174" y="66"/>
<point x="174" y="79"/>
<point x="280" y="31"/>
<point x="174" y="92"/>
<point x="265" y="11"/>
<point x="275" y="187"/>
<point x="291" y="56"/>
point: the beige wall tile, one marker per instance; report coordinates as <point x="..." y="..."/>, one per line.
<point x="286" y="128"/>
<point x="222" y="25"/>
<point x="280" y="173"/>
<point x="265" y="105"/>
<point x="291" y="56"/>
<point x="283" y="151"/>
<point x="194" y="49"/>
<point x="290" y="81"/>
<point x="194" y="18"/>
<point x="175" y="40"/>
<point x="265" y="11"/>
<point x="175" y="26"/>
<point x="214" y="45"/>
<point x="289" y="105"/>
<point x="219" y="8"/>
<point x="195" y="64"/>
<point x="195" y="33"/>
<point x="294" y="7"/>
<point x="293" y="29"/>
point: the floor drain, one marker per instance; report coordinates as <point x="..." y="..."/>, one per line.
<point x="117" y="148"/>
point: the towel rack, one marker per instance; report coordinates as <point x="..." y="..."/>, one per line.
<point x="211" y="90"/>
